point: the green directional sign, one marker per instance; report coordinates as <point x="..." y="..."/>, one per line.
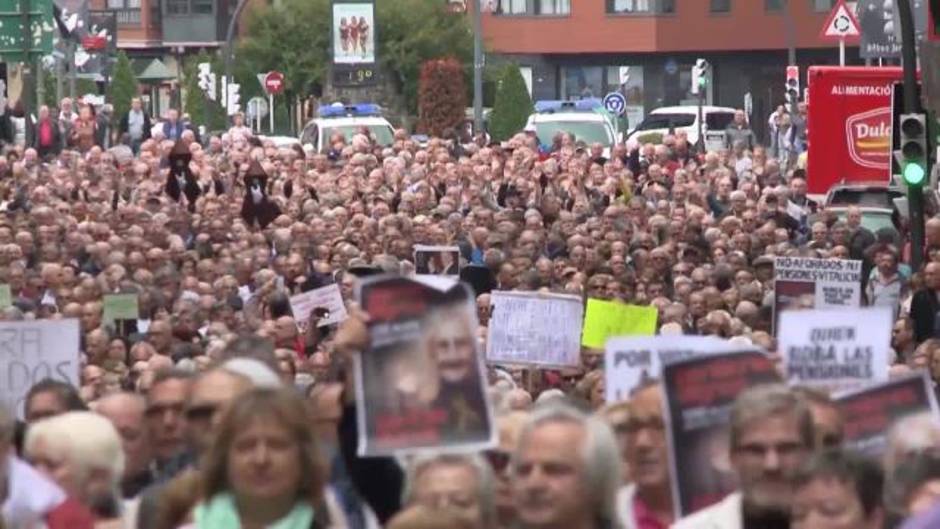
<point x="41" y="29"/>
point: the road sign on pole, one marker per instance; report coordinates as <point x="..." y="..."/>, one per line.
<point x="615" y="103"/>
<point x="840" y="25"/>
<point x="274" y="83"/>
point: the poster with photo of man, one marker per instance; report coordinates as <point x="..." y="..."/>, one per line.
<point x="437" y="260"/>
<point x="421" y="383"/>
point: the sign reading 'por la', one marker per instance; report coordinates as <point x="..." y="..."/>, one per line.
<point x="31" y="351"/>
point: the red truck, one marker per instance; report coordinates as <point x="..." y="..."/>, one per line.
<point x="849" y="125"/>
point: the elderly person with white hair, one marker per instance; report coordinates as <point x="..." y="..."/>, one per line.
<point x="82" y="453"/>
<point x="460" y="482"/>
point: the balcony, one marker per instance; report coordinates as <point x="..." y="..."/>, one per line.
<point x="127" y="17"/>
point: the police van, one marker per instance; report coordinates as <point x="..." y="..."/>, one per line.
<point x="348" y="120"/>
<point x="586" y="119"/>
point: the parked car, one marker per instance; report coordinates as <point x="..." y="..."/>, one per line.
<point x="669" y="120"/>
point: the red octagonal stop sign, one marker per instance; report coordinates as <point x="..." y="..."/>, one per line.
<point x="274" y="83"/>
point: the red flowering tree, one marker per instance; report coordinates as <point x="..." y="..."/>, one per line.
<point x="442" y="96"/>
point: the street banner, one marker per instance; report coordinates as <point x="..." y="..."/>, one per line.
<point x="836" y="349"/>
<point x="699" y="394"/>
<point x="120" y="307"/>
<point x="421" y="383"/>
<point x="534" y="329"/>
<point x="609" y="319"/>
<point x="31" y="351"/>
<point x="437" y="260"/>
<point x="327" y="301"/>
<point x="810" y="283"/>
<point x="631" y="363"/>
<point x="870" y="413"/>
<point x="353" y="42"/>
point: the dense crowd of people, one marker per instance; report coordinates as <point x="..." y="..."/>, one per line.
<point x="216" y="408"/>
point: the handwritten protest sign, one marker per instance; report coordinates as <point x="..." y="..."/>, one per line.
<point x="836" y="349"/>
<point x="699" y="394"/>
<point x="870" y="413"/>
<point x="6" y="296"/>
<point x="120" y="307"/>
<point x="632" y="362"/>
<point x="421" y="384"/>
<point x="327" y="298"/>
<point x="533" y="328"/>
<point x="809" y="283"/>
<point x="31" y="351"/>
<point x="607" y="319"/>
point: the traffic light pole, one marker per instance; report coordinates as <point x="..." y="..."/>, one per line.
<point x="915" y="194"/>
<point x="701" y="116"/>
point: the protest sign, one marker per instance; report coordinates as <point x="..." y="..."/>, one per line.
<point x="31" y="351"/>
<point x="120" y="307"/>
<point x="328" y="299"/>
<point x="437" y="260"/>
<point x="870" y="413"/>
<point x="699" y="394"/>
<point x="609" y="319"/>
<point x="810" y="283"/>
<point x="836" y="349"/>
<point x="532" y="328"/>
<point x="6" y="296"/>
<point x="631" y="362"/>
<point x="421" y="383"/>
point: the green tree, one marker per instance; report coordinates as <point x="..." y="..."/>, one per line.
<point x="123" y="86"/>
<point x="293" y="37"/>
<point x="411" y="32"/>
<point x="512" y="106"/>
<point x="443" y="97"/>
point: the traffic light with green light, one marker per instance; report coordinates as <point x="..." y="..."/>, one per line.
<point x="913" y="152"/>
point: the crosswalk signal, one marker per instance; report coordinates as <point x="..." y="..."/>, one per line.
<point x="913" y="152"/>
<point x="699" y="77"/>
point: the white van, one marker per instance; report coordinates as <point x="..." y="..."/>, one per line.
<point x="348" y="120"/>
<point x="685" y="118"/>
<point x="586" y="119"/>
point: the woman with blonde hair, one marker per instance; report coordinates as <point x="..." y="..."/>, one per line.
<point x="263" y="468"/>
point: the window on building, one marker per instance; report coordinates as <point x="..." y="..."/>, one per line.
<point x="202" y="7"/>
<point x="823" y="5"/>
<point x="554" y="7"/>
<point x="115" y="4"/>
<point x="641" y="6"/>
<point x="774" y="5"/>
<point x="533" y="7"/>
<point x="132" y="4"/>
<point x="177" y="7"/>
<point x="720" y="6"/>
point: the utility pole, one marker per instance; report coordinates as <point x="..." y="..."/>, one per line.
<point x="477" y="67"/>
<point x="70" y="64"/>
<point x="915" y="193"/>
<point x="790" y="28"/>
<point x="229" y="36"/>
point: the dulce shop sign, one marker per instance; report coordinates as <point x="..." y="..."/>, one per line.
<point x="868" y="138"/>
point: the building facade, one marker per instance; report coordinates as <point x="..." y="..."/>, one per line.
<point x="578" y="48"/>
